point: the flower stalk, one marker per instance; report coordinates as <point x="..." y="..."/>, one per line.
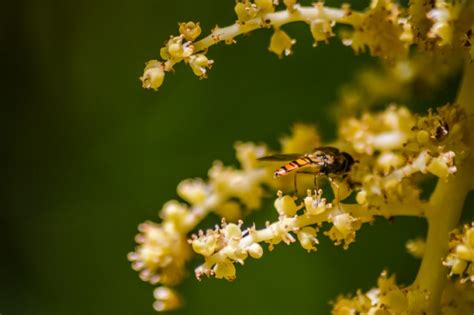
<point x="445" y="208"/>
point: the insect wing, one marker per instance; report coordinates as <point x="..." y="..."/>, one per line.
<point x="327" y="150"/>
<point x="281" y="157"/>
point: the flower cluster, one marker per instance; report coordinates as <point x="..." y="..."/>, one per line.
<point x="177" y="49"/>
<point x="228" y="243"/>
<point x="394" y="145"/>
<point x="391" y="147"/>
<point x="461" y="254"/>
<point x="163" y="250"/>
<point x="388" y="298"/>
<point x="386" y="29"/>
<point x="385" y="155"/>
<point x="385" y="185"/>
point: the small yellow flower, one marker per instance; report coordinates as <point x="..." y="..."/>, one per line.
<point x="153" y="75"/>
<point x="265" y="6"/>
<point x="166" y="299"/>
<point x="176" y="50"/>
<point x="285" y="205"/>
<point x="199" y="64"/>
<point x="205" y="245"/>
<point x="245" y="10"/>
<point x="225" y="269"/>
<point x="307" y="238"/>
<point x="190" y="30"/>
<point x="321" y="30"/>
<point x="281" y="43"/>
<point x="255" y="250"/>
<point x="416" y="247"/>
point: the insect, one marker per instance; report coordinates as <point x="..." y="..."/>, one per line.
<point x="328" y="161"/>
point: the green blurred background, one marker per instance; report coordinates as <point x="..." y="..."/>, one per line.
<point x="90" y="154"/>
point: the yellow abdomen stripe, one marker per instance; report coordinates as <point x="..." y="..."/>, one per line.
<point x="293" y="165"/>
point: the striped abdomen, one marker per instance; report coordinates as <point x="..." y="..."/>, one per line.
<point x="293" y="165"/>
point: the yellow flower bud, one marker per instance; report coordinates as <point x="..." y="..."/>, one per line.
<point x="281" y="43"/>
<point x="438" y="168"/>
<point x="286" y="206"/>
<point x="153" y="75"/>
<point x="245" y="11"/>
<point x="176" y="49"/>
<point x="321" y="30"/>
<point x="225" y="269"/>
<point x="314" y="206"/>
<point x="464" y="252"/>
<point x="232" y="231"/>
<point x="423" y="137"/>
<point x="255" y="250"/>
<point x="416" y="247"/>
<point x="205" y="245"/>
<point x="190" y="30"/>
<point x="458" y="266"/>
<point x="361" y="197"/>
<point x="199" y="63"/>
<point x="307" y="238"/>
<point x="343" y="222"/>
<point x="166" y="298"/>
<point x="164" y="53"/>
<point x="265" y="6"/>
<point x="175" y="213"/>
<point x="193" y="191"/>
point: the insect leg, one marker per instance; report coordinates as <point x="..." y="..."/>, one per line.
<point x="295" y="183"/>
<point x="315" y="181"/>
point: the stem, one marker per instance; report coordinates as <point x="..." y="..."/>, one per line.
<point x="277" y="19"/>
<point x="290" y="224"/>
<point x="446" y="203"/>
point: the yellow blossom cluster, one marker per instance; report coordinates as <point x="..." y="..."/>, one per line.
<point x="228" y="244"/>
<point x="416" y="247"/>
<point x="163" y="250"/>
<point x="177" y="49"/>
<point x="385" y="28"/>
<point x="383" y="156"/>
<point x="390" y="147"/>
<point x="387" y="299"/>
<point x="395" y="145"/>
<point x="384" y="180"/>
<point x="461" y="254"/>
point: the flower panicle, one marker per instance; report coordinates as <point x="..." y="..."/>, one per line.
<point x="461" y="254"/>
<point x="163" y="251"/>
<point x="385" y="29"/>
<point x="391" y="148"/>
<point x="386" y="298"/>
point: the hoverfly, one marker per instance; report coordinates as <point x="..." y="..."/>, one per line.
<point x="328" y="161"/>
